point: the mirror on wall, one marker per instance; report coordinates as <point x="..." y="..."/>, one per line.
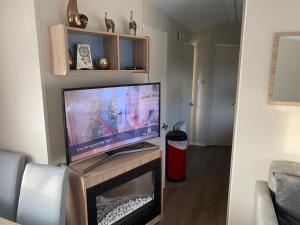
<point x="285" y="72"/>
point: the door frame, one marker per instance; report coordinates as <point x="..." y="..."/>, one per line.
<point x="191" y="116"/>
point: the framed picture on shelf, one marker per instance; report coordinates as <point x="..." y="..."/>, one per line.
<point x="83" y="57"/>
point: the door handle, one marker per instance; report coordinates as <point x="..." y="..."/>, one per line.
<point x="191" y="104"/>
<point x="233" y="104"/>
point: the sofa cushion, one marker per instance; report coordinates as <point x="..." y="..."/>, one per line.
<point x="284" y="167"/>
<point x="11" y="173"/>
<point x="287" y="199"/>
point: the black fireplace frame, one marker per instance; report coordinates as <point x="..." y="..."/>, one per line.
<point x="140" y="216"/>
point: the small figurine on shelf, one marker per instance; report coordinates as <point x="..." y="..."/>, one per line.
<point x="110" y="25"/>
<point x="74" y="18"/>
<point x="132" y="25"/>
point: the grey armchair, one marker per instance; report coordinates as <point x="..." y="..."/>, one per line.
<point x="264" y="208"/>
<point x="43" y="195"/>
<point x="11" y="173"/>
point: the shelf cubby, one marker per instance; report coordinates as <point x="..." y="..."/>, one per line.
<point x="133" y="52"/>
<point x="102" y="45"/>
<point x="125" y="52"/>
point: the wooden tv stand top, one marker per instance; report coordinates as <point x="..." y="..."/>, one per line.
<point x="114" y="166"/>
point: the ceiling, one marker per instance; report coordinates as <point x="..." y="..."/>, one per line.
<point x="199" y="14"/>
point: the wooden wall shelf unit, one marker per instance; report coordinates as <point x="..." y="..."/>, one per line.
<point x="80" y="184"/>
<point x="123" y="51"/>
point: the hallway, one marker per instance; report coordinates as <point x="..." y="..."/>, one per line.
<point x="202" y="198"/>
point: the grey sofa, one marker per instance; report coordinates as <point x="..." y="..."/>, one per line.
<point x="43" y="195"/>
<point x="264" y="209"/>
<point x="11" y="173"/>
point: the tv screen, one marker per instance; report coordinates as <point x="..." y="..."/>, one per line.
<point x="101" y="119"/>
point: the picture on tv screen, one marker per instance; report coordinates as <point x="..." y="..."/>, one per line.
<point x="98" y="120"/>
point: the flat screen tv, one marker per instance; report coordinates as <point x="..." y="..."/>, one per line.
<point x="101" y="119"/>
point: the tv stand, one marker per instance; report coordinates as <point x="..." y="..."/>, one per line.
<point x="139" y="147"/>
<point x="111" y="171"/>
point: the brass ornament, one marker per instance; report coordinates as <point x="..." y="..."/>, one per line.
<point x="74" y="18"/>
<point x="103" y="63"/>
<point x="71" y="60"/>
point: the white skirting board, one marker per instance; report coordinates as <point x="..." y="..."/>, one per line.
<point x="198" y="144"/>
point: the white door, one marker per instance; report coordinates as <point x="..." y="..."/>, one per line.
<point x="158" y="73"/>
<point x="224" y="85"/>
<point x="158" y="70"/>
<point x="188" y="85"/>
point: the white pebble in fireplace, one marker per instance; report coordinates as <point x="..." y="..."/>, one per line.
<point x="110" y="210"/>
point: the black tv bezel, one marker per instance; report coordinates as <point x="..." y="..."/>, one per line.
<point x="69" y="161"/>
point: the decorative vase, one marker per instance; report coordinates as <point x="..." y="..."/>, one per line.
<point x="74" y="18"/>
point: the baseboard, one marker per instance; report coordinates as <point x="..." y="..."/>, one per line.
<point x="198" y="144"/>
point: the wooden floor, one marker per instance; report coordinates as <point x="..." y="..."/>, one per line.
<point x="202" y="198"/>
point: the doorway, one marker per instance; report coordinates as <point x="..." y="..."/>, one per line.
<point x="208" y="168"/>
<point x="224" y="86"/>
<point x="214" y="95"/>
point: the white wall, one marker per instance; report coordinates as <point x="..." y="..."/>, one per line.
<point x="21" y="111"/>
<point x="166" y="63"/>
<point x="53" y="12"/>
<point x="156" y="19"/>
<point x="262" y="132"/>
<point x="204" y="41"/>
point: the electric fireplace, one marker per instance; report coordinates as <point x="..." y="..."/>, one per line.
<point x="126" y="190"/>
<point x="130" y="198"/>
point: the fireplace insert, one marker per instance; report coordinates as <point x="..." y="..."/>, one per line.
<point x="132" y="198"/>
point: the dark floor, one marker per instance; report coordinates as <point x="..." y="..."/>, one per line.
<point x="202" y="198"/>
